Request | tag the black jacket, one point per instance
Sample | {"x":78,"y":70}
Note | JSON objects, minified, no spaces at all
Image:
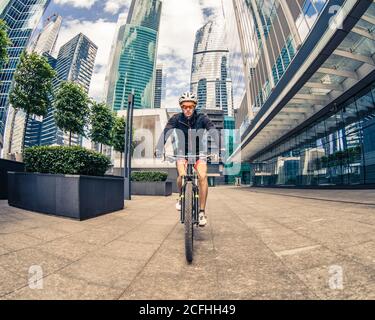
{"x":189,"y":130}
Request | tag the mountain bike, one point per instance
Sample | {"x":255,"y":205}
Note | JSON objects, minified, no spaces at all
{"x":189,"y":201}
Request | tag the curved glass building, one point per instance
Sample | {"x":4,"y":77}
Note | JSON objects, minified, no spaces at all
{"x":311,"y":73}
{"x":133,"y":64}
{"x":209,"y":75}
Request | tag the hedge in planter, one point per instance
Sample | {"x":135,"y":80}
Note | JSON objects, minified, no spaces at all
{"x":151,"y":183}
{"x":149,"y":176}
{"x":65,"y":160}
{"x":66,"y":181}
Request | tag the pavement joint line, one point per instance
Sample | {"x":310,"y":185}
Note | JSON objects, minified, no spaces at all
{"x":72,"y":261}
{"x":147,"y":262}
{"x":276,"y":256}
{"x":291,"y":252}
{"x":215,"y":253}
{"x":316,"y":199}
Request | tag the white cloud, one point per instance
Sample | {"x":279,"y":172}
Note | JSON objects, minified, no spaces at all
{"x":114,"y":6}
{"x":77,"y":3}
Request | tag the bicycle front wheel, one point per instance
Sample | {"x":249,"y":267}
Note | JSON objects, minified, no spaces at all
{"x":189,"y":231}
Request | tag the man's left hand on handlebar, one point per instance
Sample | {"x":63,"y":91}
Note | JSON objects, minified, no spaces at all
{"x":158,"y":154}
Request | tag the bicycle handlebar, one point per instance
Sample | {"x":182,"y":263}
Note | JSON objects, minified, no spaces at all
{"x":172,"y":158}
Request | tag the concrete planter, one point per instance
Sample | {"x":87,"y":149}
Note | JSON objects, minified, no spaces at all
{"x":152,"y":188}
{"x":5,"y":167}
{"x":77,"y":197}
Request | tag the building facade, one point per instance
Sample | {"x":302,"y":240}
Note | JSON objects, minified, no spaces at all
{"x":75,"y":62}
{"x":43,"y":44}
{"x":22,"y":17}
{"x":312,"y":75}
{"x":133,"y":61}
{"x":210,"y":78}
{"x":159,"y":87}
{"x":47,"y":38}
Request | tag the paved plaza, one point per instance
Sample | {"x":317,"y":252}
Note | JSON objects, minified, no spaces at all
{"x":259,"y":244}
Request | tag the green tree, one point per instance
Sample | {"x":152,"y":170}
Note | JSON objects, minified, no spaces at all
{"x":101,"y":121}
{"x":118,"y":136}
{"x":4,"y":43}
{"x":71,"y":109}
{"x":32,"y":87}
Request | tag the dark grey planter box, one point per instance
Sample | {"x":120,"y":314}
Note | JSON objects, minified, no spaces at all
{"x":5,"y":167}
{"x":77,"y":197}
{"x":151,"y":188}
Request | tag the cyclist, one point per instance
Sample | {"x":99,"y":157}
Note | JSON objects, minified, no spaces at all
{"x":187,"y":121}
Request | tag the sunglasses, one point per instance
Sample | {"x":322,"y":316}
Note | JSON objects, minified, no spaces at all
{"x":188,"y":107}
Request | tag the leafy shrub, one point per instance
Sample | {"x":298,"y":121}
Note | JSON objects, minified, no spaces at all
{"x":149,"y":176}
{"x":65,"y":160}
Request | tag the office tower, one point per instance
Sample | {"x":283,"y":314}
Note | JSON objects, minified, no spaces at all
{"x":209,"y":74}
{"x":133,"y":59}
{"x":47,"y":38}
{"x":75,"y":62}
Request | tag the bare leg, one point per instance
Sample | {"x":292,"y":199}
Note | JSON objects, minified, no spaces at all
{"x":181,"y":169}
{"x":203,"y":184}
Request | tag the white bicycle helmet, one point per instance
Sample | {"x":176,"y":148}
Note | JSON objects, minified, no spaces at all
{"x":188,"y":97}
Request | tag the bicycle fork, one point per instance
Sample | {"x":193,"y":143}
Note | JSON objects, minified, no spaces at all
{"x":195,"y":199}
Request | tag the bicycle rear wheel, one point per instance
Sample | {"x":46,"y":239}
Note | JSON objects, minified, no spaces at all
{"x":189,"y":231}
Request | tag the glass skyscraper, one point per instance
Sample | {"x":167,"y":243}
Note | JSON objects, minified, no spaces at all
{"x":47,"y":38}
{"x":209,"y":76}
{"x":134,"y":57}
{"x":22,"y":17}
{"x":75,"y":62}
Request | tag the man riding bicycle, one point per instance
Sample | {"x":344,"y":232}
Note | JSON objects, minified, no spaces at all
{"x":188,"y":123}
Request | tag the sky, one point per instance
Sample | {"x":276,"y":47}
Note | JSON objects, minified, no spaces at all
{"x":179,"y":22}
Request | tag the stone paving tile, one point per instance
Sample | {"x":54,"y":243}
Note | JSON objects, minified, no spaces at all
{"x":67,"y":248}
{"x":18,"y":241}
{"x":308,"y":258}
{"x":21,"y":261}
{"x":164,"y":287}
{"x":168,"y":276}
{"x":68,"y":226}
{"x":325,"y":280}
{"x":94,"y":237}
{"x":129,"y":250}
{"x":118,"y":227}
{"x":45,"y":233}
{"x":363,"y":253}
{"x":8,"y":227}
{"x":365,"y":292}
{"x":59,"y":287}
{"x":146,"y":234}
{"x":9,"y":282}
{"x":104,"y":270}
{"x":3,"y":250}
